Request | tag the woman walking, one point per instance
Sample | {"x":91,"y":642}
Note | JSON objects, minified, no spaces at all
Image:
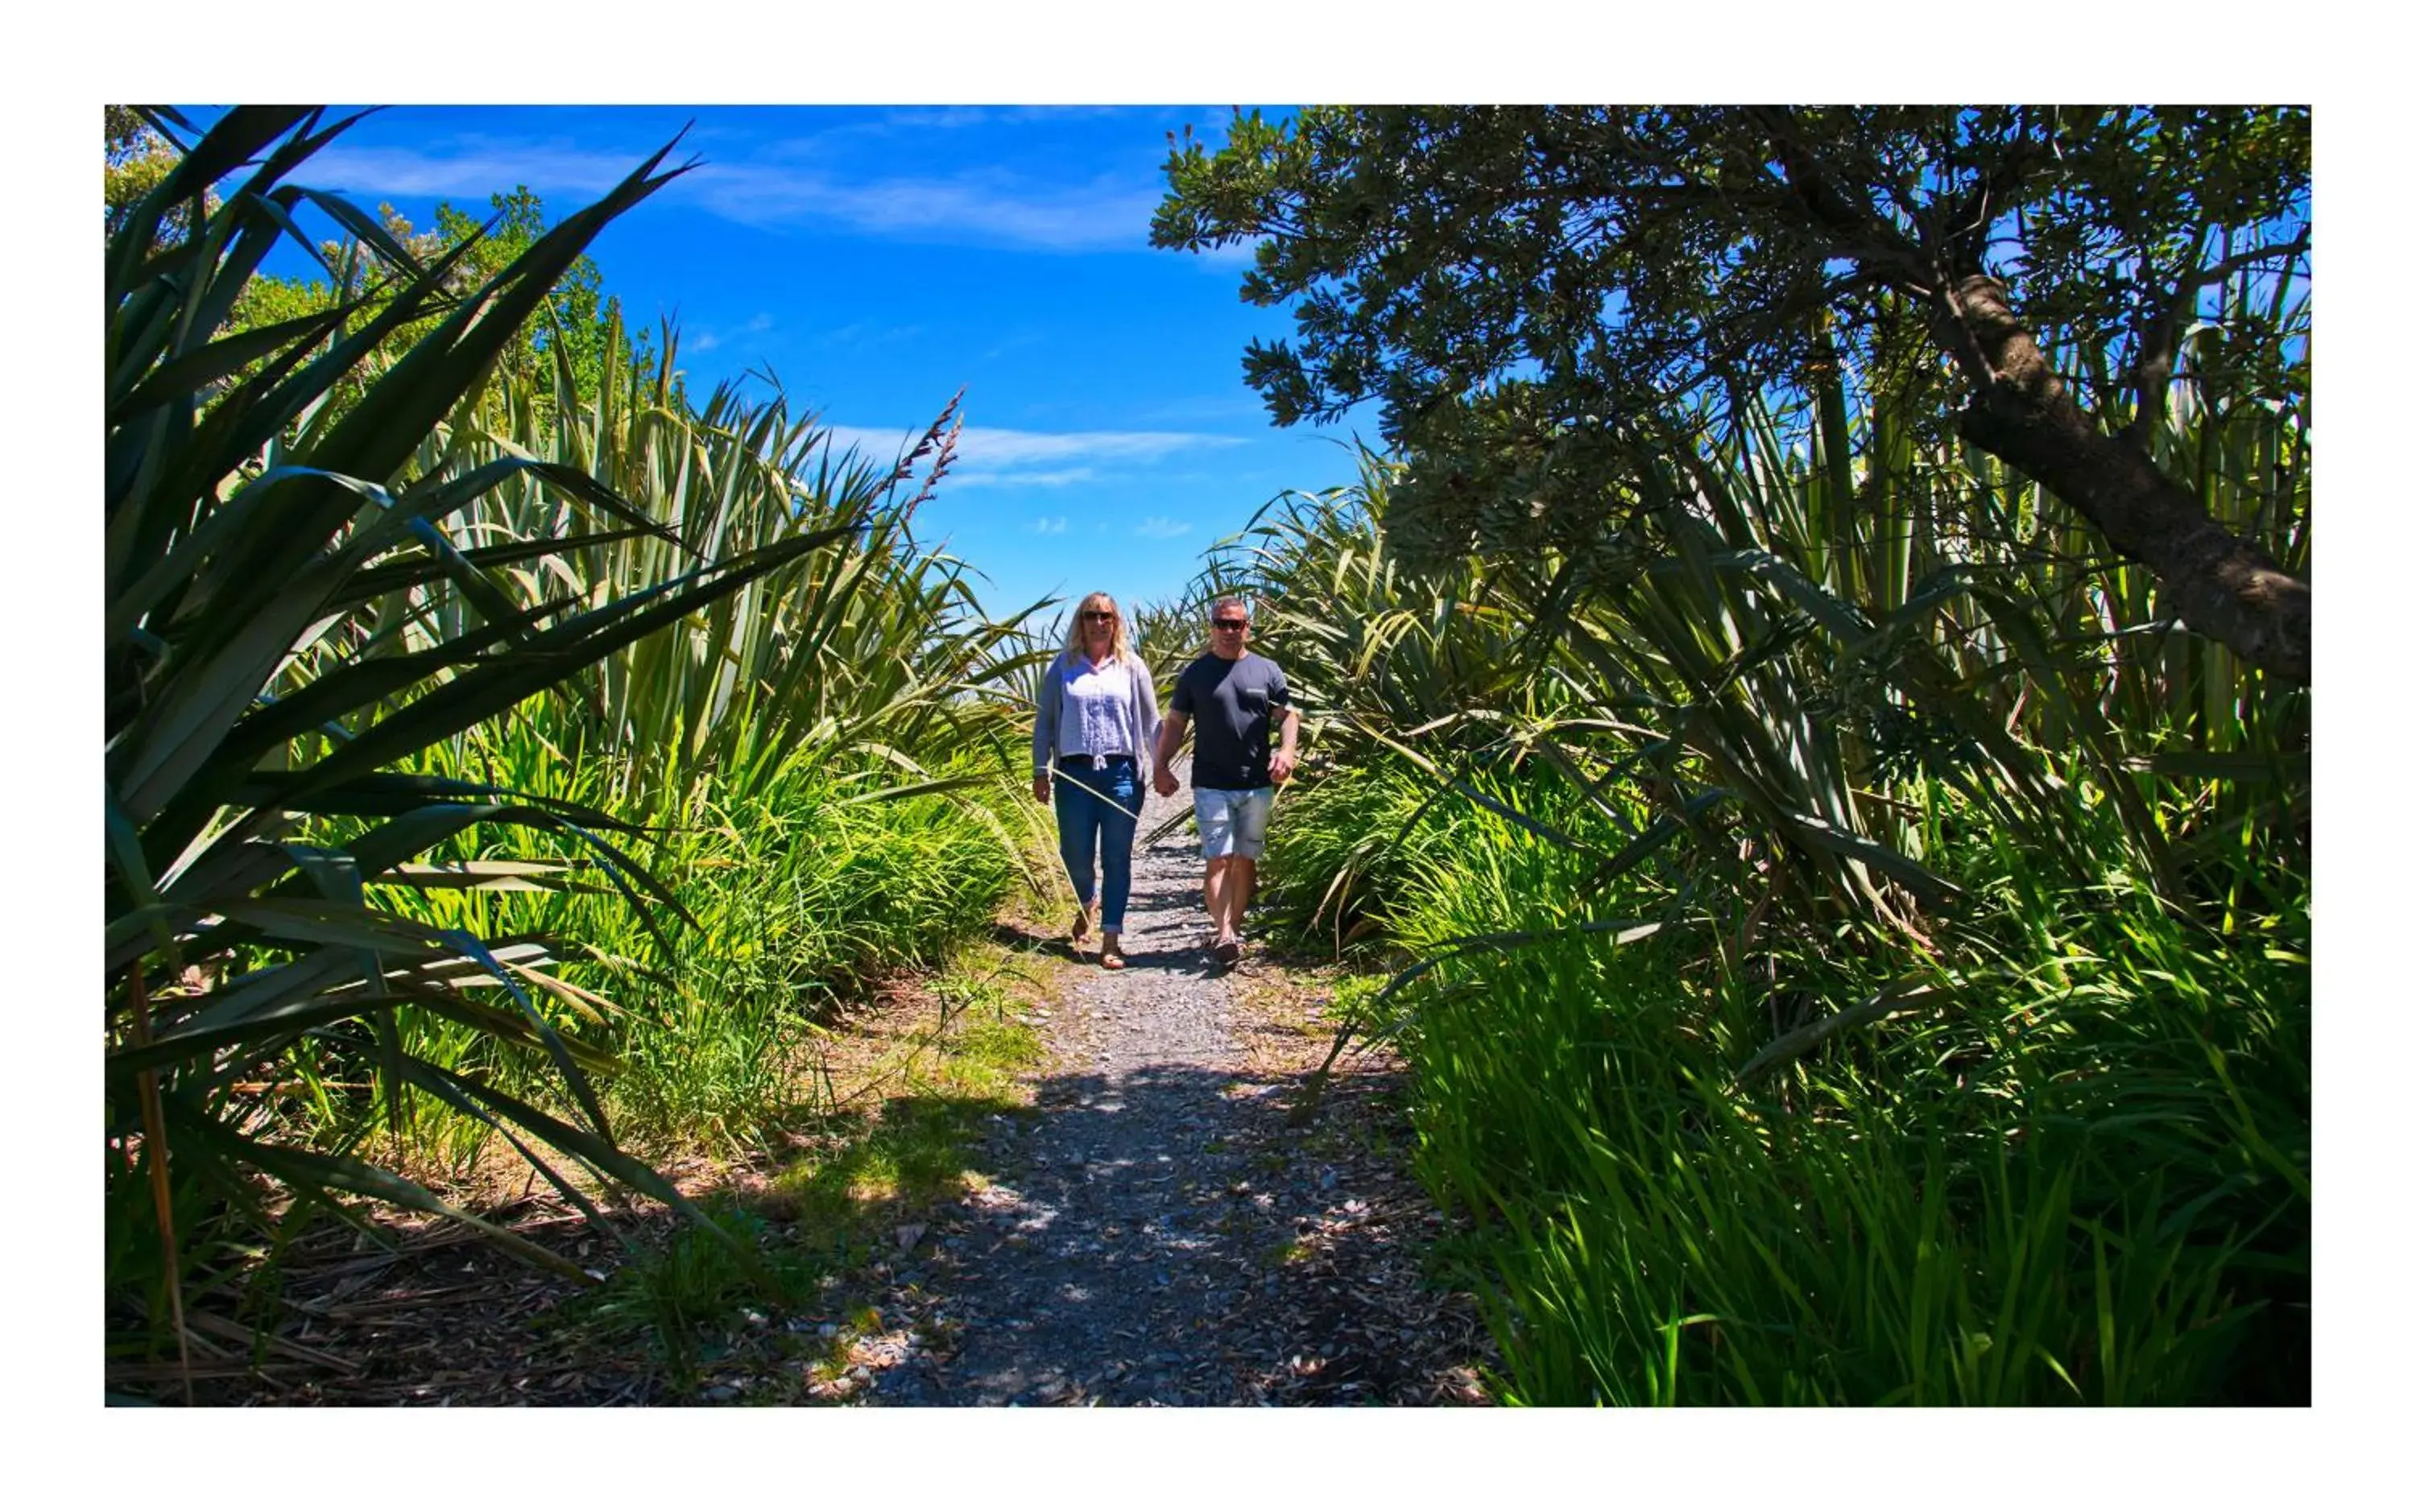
{"x":1096,"y":728}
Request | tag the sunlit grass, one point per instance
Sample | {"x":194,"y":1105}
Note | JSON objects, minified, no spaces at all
{"x":1831,"y":969}
{"x":906,"y":1146}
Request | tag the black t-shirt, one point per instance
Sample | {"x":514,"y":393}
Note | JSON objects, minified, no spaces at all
{"x":1232,"y":704}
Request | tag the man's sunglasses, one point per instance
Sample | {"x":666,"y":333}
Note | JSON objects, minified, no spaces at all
{"x":1231,"y":625}
{"x":1098,"y":614}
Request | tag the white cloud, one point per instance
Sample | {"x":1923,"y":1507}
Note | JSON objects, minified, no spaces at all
{"x":1050,"y":525}
{"x":870,"y":443}
{"x":706,"y":340}
{"x":1158,"y":527}
{"x":1018,"y":480}
{"x":942,"y":118}
{"x":954,"y":116}
{"x":1010,"y":448}
{"x":982,"y":204}
{"x":473,"y":169}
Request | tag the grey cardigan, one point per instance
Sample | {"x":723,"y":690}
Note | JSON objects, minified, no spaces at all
{"x":1143,"y":716}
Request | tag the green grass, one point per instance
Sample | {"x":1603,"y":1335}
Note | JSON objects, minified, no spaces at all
{"x":909,"y":1148}
{"x":1847,"y":948}
{"x":759,"y":757}
{"x":799,"y":897}
{"x":2082,"y":1181}
{"x":900,"y":1152}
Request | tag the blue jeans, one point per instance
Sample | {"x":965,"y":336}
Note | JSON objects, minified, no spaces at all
{"x":1097,"y":810}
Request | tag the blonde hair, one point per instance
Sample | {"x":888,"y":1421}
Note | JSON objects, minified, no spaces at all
{"x":1119,"y":635}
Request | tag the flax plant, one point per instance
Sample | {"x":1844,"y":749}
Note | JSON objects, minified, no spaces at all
{"x":1850,"y":948}
{"x":271,"y":664}
{"x":870,"y":644}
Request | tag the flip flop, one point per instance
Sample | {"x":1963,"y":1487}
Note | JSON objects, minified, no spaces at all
{"x":1111,"y":958}
{"x":1229,"y":954}
{"x":1081,"y":930}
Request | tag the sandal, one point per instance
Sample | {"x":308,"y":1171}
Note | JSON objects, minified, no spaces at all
{"x":1111,"y":958}
{"x":1227,"y":954}
{"x":1081,"y":930}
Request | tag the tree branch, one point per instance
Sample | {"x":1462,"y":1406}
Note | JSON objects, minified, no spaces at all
{"x":1850,"y":227}
{"x":2222,"y":586}
{"x":2151,"y":375}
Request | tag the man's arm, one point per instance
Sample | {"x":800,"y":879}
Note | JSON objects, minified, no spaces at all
{"x":1287,"y":755}
{"x":1170,"y":741}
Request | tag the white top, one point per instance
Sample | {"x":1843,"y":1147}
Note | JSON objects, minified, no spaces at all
{"x":1096,"y":710}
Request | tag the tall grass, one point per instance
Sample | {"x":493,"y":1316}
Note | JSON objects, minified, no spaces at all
{"x":2078,"y":1178}
{"x":1848,"y":947}
{"x":874,"y":643}
{"x":797,"y":895}
{"x":822,"y":770}
{"x":813,"y":765}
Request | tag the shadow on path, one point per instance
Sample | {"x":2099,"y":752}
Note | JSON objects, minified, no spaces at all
{"x":1164,"y":1237}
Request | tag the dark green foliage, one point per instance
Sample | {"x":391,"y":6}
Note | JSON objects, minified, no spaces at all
{"x":1556,"y":307}
{"x":1833,"y":967}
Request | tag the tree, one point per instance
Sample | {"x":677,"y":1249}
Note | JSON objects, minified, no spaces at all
{"x":1541,"y":299}
{"x":139,"y":151}
{"x":581,"y":318}
{"x":578,"y":316}
{"x":136,"y":156}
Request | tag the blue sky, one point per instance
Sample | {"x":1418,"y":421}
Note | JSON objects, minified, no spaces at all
{"x":877,"y":259}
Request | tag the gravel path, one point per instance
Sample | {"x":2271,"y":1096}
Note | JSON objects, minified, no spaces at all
{"x":1158,"y":1235}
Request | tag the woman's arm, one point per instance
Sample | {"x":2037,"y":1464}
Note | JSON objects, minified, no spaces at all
{"x":1145,"y":705}
{"x":1044,"y":731}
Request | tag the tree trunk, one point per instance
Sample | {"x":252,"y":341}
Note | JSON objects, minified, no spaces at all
{"x":2220,"y":585}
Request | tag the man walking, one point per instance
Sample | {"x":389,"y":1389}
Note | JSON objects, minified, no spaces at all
{"x":1235,"y":694}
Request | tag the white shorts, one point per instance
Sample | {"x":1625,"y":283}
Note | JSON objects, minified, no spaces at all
{"x":1232,"y":822}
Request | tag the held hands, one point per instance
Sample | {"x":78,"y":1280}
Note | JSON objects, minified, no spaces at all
{"x":1279,"y":766}
{"x":1165,"y":784}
